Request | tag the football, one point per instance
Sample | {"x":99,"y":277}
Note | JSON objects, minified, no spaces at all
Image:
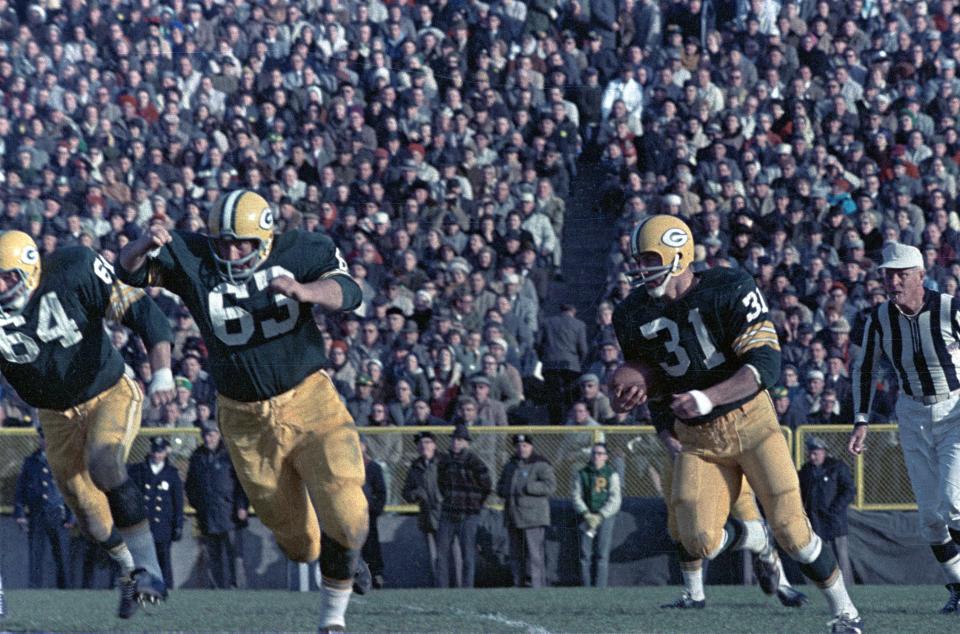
{"x":631,"y":373}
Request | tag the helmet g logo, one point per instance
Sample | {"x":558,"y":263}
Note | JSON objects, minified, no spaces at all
{"x":266,"y":219}
{"x":30,"y":255}
{"x":674,"y":237}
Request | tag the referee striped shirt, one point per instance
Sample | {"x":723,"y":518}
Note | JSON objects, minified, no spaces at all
{"x":924,"y":350}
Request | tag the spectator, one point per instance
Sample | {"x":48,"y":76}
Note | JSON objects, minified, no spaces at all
{"x":563,"y":348}
{"x":465,"y":483}
{"x":596,"y":500}
{"x":215,"y":493}
{"x":597,"y":401}
{"x":48,"y":516}
{"x":490,"y":411}
{"x":827,"y":489}
{"x":163,"y":492}
{"x":360,"y":405}
{"x":421,"y":488}
{"x":526,"y":484}
{"x":375,"y":489}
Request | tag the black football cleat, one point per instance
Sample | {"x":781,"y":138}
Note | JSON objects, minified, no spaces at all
{"x":791,"y":597}
{"x":128,"y":597}
{"x":685,"y":603}
{"x":844,"y":624}
{"x":140,"y":588}
{"x":767,"y":574}
{"x":362,"y":579}
{"x":953,"y":603}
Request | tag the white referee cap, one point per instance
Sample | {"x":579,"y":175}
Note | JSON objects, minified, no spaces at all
{"x":901,"y":256}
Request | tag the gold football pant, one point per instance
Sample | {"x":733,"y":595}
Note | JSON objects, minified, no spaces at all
{"x":744,"y":508}
{"x":298,"y":458}
{"x":87,"y":449}
{"x":709,"y":472}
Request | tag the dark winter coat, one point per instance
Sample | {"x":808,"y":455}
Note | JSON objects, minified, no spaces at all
{"x":214,"y":491}
{"x":464,"y":483}
{"x":526,"y":487}
{"x":827,"y":491}
{"x":421,"y":487}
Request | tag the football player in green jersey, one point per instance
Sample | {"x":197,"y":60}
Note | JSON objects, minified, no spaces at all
{"x":55,"y":353}
{"x":291,"y":439}
{"x":709,"y":336}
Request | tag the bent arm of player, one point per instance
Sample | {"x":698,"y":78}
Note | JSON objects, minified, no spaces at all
{"x":326,"y":279}
{"x":756,"y":347}
{"x":135,"y":310}
{"x":863,"y":384}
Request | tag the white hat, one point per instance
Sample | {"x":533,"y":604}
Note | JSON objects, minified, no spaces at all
{"x":901,"y":256}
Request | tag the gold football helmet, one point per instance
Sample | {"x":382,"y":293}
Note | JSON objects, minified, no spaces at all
{"x":668,"y":237}
{"x":18,"y":253}
{"x":242,"y":215}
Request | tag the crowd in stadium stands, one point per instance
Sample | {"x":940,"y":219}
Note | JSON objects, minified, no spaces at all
{"x":439,"y":144}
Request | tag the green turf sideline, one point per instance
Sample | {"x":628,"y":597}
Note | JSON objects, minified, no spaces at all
{"x":894,"y":609}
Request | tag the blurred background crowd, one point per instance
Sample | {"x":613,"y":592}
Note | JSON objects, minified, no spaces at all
{"x":444,"y":144}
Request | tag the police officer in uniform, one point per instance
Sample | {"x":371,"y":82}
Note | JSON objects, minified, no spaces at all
{"x":163,"y":496}
{"x":49,"y":515}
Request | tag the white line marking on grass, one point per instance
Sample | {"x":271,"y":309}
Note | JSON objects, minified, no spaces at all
{"x":529,"y":628}
{"x":498,"y":618}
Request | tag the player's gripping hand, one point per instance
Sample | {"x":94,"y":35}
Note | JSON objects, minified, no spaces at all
{"x":857,"y":443}
{"x":628,"y":385}
{"x":152,"y":239}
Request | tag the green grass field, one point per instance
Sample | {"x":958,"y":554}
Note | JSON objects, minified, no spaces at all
{"x":898,"y":609}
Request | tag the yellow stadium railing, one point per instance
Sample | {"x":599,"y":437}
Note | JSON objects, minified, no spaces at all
{"x":879,"y":473}
{"x":635,"y":452}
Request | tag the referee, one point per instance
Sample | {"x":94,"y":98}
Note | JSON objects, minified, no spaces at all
{"x":918,"y":331}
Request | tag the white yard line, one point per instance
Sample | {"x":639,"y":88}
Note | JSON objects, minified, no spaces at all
{"x":529,"y":628}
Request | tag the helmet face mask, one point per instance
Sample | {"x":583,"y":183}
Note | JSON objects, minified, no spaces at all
{"x":662,"y":248}
{"x":20,"y":266}
{"x":14,"y":299}
{"x":241,"y":216}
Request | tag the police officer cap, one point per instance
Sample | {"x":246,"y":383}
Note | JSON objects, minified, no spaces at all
{"x":158,"y":444}
{"x":519,"y":438}
{"x":423,"y":434}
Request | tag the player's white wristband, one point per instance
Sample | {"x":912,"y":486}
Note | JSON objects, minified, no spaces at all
{"x":162,"y":380}
{"x":704,"y":406}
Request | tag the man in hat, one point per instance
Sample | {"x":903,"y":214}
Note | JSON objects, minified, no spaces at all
{"x":41,"y":512}
{"x":465,"y":483}
{"x":162,"y":489}
{"x":489,"y":410}
{"x":827,"y":489}
{"x":361,"y":403}
{"x":597,"y":401}
{"x":929,"y":422}
{"x":421,"y":488}
{"x":215,"y":493}
{"x":526,"y":484}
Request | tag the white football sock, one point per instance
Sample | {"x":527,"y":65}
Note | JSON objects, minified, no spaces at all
{"x":333,"y":605}
{"x":139,"y":540}
{"x":121,"y":554}
{"x":839,"y":600}
{"x":952,"y":569}
{"x":784,"y":582}
{"x":755,"y":540}
{"x":693,"y":583}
